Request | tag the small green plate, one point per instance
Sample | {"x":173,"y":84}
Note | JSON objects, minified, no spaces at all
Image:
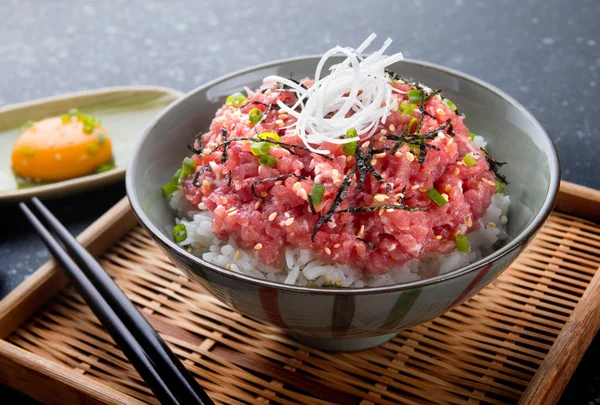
{"x":124,"y":112}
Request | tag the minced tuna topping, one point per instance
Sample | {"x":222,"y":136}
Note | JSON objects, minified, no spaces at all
{"x":415,"y":185}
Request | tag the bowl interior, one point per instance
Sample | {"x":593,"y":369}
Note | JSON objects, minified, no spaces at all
{"x":513,"y":135}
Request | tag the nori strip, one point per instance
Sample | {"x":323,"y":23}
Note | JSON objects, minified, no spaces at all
{"x":198,"y":173}
{"x":226,"y":146}
{"x":495,"y":166}
{"x":311,"y":205}
{"x":375,"y":208}
{"x":369,"y":244}
{"x":281,"y":176}
{"x":341,"y":193}
{"x":282,"y":144}
{"x":192,"y":147}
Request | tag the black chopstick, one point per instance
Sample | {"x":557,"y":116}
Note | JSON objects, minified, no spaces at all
{"x":154,"y":361}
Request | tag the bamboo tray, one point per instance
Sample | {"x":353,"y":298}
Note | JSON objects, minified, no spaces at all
{"x":520,"y":339}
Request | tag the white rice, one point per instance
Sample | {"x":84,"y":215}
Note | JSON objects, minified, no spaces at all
{"x":301,"y":268}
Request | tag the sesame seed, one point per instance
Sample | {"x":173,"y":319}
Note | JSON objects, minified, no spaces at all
{"x":279,"y":123}
{"x":437,"y":97}
{"x":389,"y":210}
{"x":232,"y":213}
{"x":381,"y":138}
{"x":337,"y":181}
{"x":438,"y":237}
{"x":348,"y":159}
{"x":399,"y":195}
{"x":410,"y":157}
{"x":278,"y":183}
{"x":469,"y":222}
{"x":338,"y":282}
{"x":380,"y":197}
{"x":205,"y":185}
{"x":228,"y":267}
{"x":384,"y":131}
{"x":445,"y":196}
{"x":206,"y":151}
{"x":302,"y":194}
{"x":263,"y":194}
{"x":459,"y":163}
{"x":289,"y":221}
{"x":337,"y":245}
{"x":441,"y":135}
{"x":491,"y":224}
{"x":327,"y":279}
{"x":381,"y":211}
{"x":450,"y":141}
{"x":416,"y":186}
{"x":392,"y":127}
{"x":272,"y":216}
{"x":373,"y":162}
{"x":237,"y":113}
{"x":268,"y":92}
{"x":362,"y":230}
{"x":223,"y":200}
{"x":256,"y":205}
{"x":366,"y":144}
{"x":237,"y":255}
{"x":220,"y":119}
{"x":456,"y":171}
{"x":231,"y":209}
{"x":297,"y":186}
{"x":327,"y":250}
{"x":286,"y":214}
{"x":232,"y":127}
{"x":440,"y":112}
{"x":258,"y":246}
{"x":457,"y":232}
{"x":486,"y":181}
{"x":447,"y":189}
{"x":335,"y":173}
{"x":379,"y":155}
{"x":283,"y":115}
{"x":398,"y":154}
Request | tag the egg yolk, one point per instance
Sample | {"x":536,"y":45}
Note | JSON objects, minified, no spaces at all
{"x":56,"y":149}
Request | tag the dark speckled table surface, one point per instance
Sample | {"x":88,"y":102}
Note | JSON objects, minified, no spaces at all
{"x":545,"y":53}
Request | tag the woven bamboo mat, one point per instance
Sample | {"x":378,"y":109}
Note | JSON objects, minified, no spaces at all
{"x":484,"y":352}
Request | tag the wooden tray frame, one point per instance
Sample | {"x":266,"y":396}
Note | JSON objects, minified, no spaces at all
{"x":57,"y":384}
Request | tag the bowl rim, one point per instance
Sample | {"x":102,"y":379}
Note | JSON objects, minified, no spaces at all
{"x":517,"y":242}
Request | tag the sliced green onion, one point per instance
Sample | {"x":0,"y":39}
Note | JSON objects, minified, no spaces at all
{"x":66,"y":118}
{"x":267,"y":160}
{"x":187,"y":167}
{"x":414,"y":96}
{"x":104,"y":168}
{"x":92,"y":148}
{"x":235,"y":100}
{"x":255,"y":115}
{"x":436,"y":197}
{"x":88,"y":129}
{"x":412,"y":125}
{"x":469,"y":160}
{"x":316,"y":194}
{"x":406,"y":108}
{"x":350,"y":147}
{"x":462,"y":243}
{"x":260,"y":148}
{"x":499,"y":187}
{"x":172,"y":186}
{"x":26,"y":151}
{"x":472,"y":136}
{"x":179,"y":233}
{"x":26,"y":126}
{"x":450,"y":104}
{"x":267,"y":135}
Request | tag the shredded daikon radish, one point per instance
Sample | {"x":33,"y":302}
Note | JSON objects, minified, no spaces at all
{"x":356,"y":94}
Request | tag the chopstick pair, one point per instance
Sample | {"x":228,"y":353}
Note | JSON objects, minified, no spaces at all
{"x":154,"y":361}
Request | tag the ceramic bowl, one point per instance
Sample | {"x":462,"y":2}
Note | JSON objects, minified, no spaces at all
{"x":351,"y":319}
